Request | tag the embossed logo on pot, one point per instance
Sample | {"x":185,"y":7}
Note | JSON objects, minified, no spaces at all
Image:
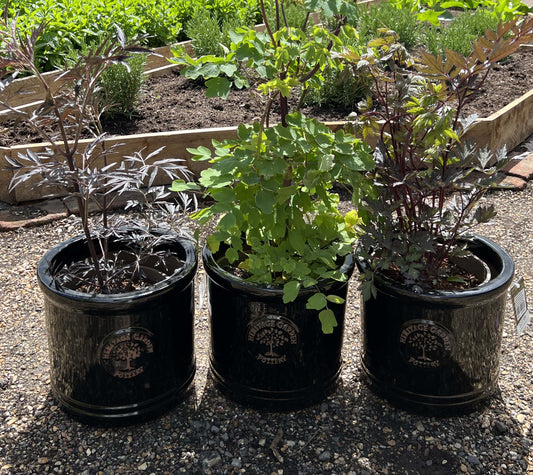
{"x":270,"y":337}
{"x":425,"y":344}
{"x":124,"y":354}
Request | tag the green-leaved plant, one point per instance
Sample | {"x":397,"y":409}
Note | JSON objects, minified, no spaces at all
{"x":120,"y":86}
{"x":278,"y":220}
{"x":429,"y":181}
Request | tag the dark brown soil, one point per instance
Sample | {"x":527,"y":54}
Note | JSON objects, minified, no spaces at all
{"x":171,"y":102}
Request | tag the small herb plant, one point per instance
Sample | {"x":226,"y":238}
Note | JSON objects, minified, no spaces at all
{"x":278,"y":221}
{"x":120,"y":86}
{"x":208,"y":33}
{"x":79,"y":169}
{"x":428,"y":181}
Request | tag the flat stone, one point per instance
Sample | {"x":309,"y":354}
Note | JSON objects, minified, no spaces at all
{"x":31,"y":214}
{"x":511,"y":183}
{"x":522,"y":168}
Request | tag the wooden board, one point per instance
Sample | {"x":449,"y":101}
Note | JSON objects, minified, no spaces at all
{"x":175,"y":146}
{"x":507,"y":127}
{"x":5,"y":177}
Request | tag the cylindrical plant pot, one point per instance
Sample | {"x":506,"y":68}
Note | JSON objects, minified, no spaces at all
{"x":120,"y":358}
{"x":437,"y":352}
{"x":267,"y":354}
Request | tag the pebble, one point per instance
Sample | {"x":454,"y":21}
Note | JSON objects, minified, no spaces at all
{"x":214,"y":461}
{"x":325,"y":455}
{"x":500,"y":428}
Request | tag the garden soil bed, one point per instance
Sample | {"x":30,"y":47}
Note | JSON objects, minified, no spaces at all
{"x":171,"y":102}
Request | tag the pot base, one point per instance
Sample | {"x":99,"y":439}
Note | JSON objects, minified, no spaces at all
{"x":101,"y":415}
{"x":272,"y":400}
{"x":427,"y":404}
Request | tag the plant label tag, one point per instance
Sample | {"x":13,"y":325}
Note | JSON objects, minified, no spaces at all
{"x":519,"y":299}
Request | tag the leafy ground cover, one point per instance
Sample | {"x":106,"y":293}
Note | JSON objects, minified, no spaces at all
{"x":70,"y":24}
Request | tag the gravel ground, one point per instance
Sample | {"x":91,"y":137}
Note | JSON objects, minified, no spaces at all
{"x":352,"y":432}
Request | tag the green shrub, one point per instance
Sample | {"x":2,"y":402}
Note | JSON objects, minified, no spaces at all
{"x":121,"y":88}
{"x":464,"y":29}
{"x":385,"y":15}
{"x":70,"y":23}
{"x":207,"y":32}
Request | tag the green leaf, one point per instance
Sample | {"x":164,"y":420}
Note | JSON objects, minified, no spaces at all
{"x":181,"y":185}
{"x":228,"y":69}
{"x":232,"y":255}
{"x":326,"y":162}
{"x":290,"y":291}
{"x":218,"y":87}
{"x":316,"y":302}
{"x":213,"y":243}
{"x":227,"y":222}
{"x":430,"y":15}
{"x":200,"y":153}
{"x":297,"y":241}
{"x":335,"y":299}
{"x":265,"y":200}
{"x":328,"y":321}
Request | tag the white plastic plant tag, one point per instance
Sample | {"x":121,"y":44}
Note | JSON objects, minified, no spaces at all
{"x":519,"y":299}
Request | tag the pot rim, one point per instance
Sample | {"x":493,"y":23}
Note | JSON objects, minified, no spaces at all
{"x":185,"y":275}
{"x":479,"y":245}
{"x":227,"y":279}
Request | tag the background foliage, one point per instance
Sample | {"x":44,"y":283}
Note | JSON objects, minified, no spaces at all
{"x":69,"y":23}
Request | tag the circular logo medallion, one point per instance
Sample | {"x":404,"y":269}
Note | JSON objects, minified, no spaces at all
{"x":425,"y":344}
{"x":125,"y":353}
{"x":270,"y":337}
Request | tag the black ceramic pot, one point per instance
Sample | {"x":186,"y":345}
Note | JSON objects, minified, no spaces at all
{"x":438,"y":352}
{"x":120,"y":358}
{"x":267,"y":354}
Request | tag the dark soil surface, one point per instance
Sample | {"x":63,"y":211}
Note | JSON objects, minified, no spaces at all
{"x":171,"y":102}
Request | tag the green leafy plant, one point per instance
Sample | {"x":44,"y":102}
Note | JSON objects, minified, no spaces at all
{"x":277,"y":218}
{"x":429,"y":181}
{"x":121,"y":86}
{"x":70,"y":24}
{"x":433,"y":10}
{"x":85,"y":169}
{"x":342,"y":86}
{"x":460,"y":33}
{"x":374,"y":18}
{"x":209,"y":34}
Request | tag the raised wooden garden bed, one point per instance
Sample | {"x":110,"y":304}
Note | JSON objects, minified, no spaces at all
{"x":509,"y":126}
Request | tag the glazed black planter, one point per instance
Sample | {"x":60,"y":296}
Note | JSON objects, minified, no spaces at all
{"x":267,"y":354}
{"x":120,"y":358}
{"x":437,"y":353}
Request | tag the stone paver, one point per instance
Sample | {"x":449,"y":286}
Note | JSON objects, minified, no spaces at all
{"x":522,"y":168}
